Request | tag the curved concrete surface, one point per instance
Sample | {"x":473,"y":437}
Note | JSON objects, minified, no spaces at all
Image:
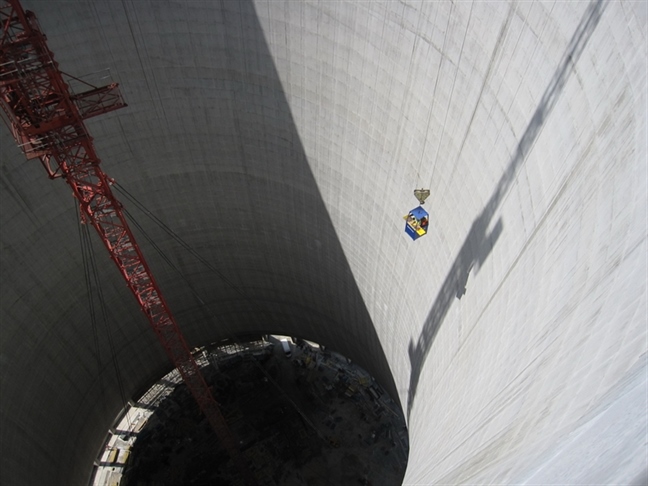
{"x":282,"y":141}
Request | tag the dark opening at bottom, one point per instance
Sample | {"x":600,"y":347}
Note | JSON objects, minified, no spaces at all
{"x":303,"y":416}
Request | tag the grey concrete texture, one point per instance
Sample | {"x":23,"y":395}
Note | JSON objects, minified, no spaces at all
{"x":282,"y":141}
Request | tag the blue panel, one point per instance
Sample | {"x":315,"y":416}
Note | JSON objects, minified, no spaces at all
{"x":419,"y":213}
{"x":410,"y":231}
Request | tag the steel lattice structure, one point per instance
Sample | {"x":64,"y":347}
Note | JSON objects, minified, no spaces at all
{"x":47,"y":121}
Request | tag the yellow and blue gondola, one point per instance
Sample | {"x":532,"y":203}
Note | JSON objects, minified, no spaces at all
{"x":416,"y":223}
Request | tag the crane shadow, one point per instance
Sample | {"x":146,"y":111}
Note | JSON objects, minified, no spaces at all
{"x":480,"y":240}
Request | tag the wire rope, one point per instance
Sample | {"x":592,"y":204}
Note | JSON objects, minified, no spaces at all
{"x":92,"y":276}
{"x":167,"y":260}
{"x":197,"y":296}
{"x":91,"y":306}
{"x":187,"y":247}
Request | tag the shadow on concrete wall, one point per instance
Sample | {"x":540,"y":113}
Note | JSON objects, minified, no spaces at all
{"x":479,"y":242}
{"x":316,"y":290}
{"x":268,"y":215}
{"x":258,"y":171}
{"x":294,"y":278}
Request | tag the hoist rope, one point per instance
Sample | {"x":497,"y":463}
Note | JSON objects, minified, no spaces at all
{"x":186,"y":246}
{"x":91,"y":274}
{"x":204,"y":305}
{"x":91,"y":305}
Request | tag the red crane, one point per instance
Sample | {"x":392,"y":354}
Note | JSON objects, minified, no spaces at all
{"x":47,"y":121}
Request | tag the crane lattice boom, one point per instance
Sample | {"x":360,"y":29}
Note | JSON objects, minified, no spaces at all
{"x":47,"y":121}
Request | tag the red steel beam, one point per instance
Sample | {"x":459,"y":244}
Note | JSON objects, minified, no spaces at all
{"x":47,"y":122}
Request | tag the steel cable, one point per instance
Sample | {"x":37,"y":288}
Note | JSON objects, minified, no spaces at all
{"x":210,"y":313}
{"x":91,"y":274}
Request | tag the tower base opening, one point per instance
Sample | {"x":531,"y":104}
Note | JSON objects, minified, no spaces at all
{"x":302,"y":415}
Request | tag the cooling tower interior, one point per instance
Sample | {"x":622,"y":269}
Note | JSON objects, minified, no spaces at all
{"x":282,"y":142}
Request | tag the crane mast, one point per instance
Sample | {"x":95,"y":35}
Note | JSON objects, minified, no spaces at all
{"x":47,"y":121}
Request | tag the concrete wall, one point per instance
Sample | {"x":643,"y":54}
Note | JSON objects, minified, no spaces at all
{"x":282,"y":141}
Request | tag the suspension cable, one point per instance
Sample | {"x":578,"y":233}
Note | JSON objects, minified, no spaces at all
{"x":186,"y":246}
{"x":169,"y":262}
{"x":91,"y":305}
{"x":204,"y":305}
{"x":91,"y":274}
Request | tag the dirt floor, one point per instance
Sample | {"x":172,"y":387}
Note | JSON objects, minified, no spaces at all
{"x":308,"y":417}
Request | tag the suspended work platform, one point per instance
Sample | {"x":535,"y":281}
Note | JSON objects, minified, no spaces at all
{"x":417,"y":221}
